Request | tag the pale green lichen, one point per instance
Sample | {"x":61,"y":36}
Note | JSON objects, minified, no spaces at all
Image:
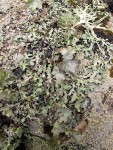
{"x":64,"y":61}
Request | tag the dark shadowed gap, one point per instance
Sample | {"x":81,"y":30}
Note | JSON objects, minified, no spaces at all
{"x":21,"y":147}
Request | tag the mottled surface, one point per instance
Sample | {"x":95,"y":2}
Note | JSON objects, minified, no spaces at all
{"x":11,"y":23}
{"x":99,"y":133}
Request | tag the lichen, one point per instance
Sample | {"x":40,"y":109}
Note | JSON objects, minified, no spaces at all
{"x":65,"y":59}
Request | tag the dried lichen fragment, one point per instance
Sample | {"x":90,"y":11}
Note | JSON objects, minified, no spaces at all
{"x":82,"y":126}
{"x":111,"y":72}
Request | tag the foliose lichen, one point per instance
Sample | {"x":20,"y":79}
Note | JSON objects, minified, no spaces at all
{"x":64,"y":61}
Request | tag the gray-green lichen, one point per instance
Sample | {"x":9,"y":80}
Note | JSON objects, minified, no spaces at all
{"x":65,"y":59}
